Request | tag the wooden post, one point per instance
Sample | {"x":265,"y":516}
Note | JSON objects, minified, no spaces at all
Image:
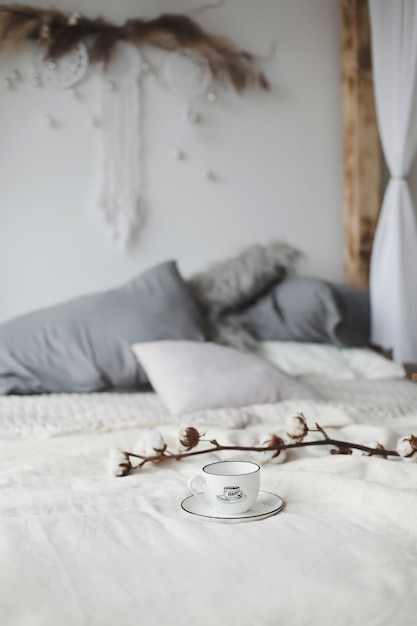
{"x":362,"y":152}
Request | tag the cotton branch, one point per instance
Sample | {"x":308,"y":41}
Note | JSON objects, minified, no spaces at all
{"x":153,"y":449}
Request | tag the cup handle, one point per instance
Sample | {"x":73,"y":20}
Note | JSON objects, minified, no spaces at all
{"x":196,"y":485}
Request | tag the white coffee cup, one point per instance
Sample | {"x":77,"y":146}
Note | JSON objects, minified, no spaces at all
{"x":229,"y":487}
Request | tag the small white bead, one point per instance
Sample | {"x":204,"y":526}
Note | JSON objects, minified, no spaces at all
{"x":208,"y":174}
{"x":45,"y":31}
{"x":194,"y":117}
{"x":211,"y":96}
{"x":178,"y":154}
{"x":72,"y":92}
{"x":36,"y":81}
{"x":49,"y":120}
{"x":15,"y":75}
{"x":7,"y":83}
{"x":52,"y":65}
{"x":110,"y":86}
{"x":145,"y":66}
{"x":73,"y":19}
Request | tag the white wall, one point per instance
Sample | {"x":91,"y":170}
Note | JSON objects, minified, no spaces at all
{"x":278,"y":157}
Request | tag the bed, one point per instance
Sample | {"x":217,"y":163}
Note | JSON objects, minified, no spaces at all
{"x":82,"y":545}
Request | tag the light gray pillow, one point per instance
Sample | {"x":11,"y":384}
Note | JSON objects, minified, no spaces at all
{"x":190,"y":376}
{"x":84,"y":345}
{"x":310,"y":310}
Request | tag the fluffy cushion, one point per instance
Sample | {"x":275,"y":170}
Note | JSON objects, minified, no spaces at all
{"x":84,"y":345}
{"x":310,"y":310}
{"x":236,"y":282}
{"x":304,"y":359}
{"x":190,"y":376}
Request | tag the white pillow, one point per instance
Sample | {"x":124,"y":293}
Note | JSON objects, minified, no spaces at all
{"x":303,"y":359}
{"x":369,"y":364}
{"x":192,"y":376}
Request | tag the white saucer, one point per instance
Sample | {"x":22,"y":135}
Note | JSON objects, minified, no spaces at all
{"x":267,"y":504}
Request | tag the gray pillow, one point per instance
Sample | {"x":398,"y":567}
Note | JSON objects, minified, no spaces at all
{"x":311,"y":310}
{"x":84,"y":345}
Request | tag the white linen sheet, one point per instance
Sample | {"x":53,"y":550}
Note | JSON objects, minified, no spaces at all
{"x":78,"y":547}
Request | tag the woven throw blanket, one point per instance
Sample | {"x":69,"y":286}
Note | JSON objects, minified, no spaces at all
{"x":60,"y":414}
{"x":343,"y":401}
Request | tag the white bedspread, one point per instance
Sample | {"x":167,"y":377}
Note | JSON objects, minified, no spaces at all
{"x":80,"y":548}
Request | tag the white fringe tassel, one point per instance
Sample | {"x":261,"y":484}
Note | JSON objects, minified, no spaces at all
{"x":118,"y":196}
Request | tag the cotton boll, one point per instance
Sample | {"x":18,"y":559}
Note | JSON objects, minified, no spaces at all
{"x":280,"y":458}
{"x":264,"y":457}
{"x":404,"y":446}
{"x":189,"y":437}
{"x":296,"y":427}
{"x":151,"y":443}
{"x":118,"y":463}
{"x":270,"y":456}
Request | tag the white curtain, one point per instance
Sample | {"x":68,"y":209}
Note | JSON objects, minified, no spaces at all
{"x":393,"y":275}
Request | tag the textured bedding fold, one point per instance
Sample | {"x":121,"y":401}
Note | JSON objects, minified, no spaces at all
{"x":58,"y":414}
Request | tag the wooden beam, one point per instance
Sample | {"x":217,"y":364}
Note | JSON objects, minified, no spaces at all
{"x":362,"y":152}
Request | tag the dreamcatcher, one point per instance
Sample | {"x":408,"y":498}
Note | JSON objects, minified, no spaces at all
{"x":188,"y":73}
{"x":64,"y":72}
{"x":61,"y":59}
